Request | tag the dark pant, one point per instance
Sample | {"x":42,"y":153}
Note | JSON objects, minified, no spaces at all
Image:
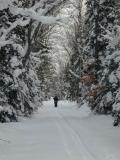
{"x":55,"y":102}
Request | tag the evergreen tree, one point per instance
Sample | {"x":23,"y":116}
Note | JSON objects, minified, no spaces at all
{"x":20,"y":23}
{"x":100,"y":76}
{"x":74,"y":66}
{"x":99,"y":22}
{"x":45,"y":73}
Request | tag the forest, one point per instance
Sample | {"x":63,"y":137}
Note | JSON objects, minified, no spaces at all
{"x":69,"y":48}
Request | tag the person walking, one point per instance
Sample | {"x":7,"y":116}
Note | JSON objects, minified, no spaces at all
{"x":55,"y":101}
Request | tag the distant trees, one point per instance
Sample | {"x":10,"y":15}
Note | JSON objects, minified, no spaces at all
{"x":74,"y":48}
{"x":45,"y":72}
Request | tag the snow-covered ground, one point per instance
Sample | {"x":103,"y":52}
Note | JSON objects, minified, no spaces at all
{"x":63,"y":133}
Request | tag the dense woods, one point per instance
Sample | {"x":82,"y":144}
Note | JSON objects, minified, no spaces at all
{"x":95,"y":60}
{"x":91,"y":73}
{"x":23,"y":49}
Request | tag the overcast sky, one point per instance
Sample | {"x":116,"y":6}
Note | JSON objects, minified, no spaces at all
{"x":58,"y":36}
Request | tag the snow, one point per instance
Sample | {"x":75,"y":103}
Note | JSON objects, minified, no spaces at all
{"x":102,"y":1}
{"x":3,"y":40}
{"x":14,"y":61}
{"x":63,"y":133}
{"x":74,"y":74}
{"x":109,"y":97}
{"x":1,"y":108}
{"x":112,"y":78}
{"x":17,"y":72}
{"x":35,"y":15}
{"x":5,"y":3}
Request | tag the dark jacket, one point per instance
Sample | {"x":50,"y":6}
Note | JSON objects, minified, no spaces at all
{"x":55,"y":98}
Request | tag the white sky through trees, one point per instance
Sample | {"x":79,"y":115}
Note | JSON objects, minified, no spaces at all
{"x":58,"y":37}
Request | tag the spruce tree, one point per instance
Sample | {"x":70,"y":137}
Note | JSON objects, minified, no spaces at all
{"x":100,"y":21}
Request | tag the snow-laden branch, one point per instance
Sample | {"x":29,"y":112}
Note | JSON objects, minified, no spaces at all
{"x":4,"y":3}
{"x":35,"y":15}
{"x":5,"y":32}
{"x":74,"y":74}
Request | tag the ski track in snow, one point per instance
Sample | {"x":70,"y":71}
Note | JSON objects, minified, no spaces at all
{"x":81,"y":151}
{"x":63,"y":133}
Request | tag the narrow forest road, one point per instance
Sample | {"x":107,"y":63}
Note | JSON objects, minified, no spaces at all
{"x":63,"y":133}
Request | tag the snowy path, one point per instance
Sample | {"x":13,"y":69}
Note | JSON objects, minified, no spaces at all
{"x":63,"y":133}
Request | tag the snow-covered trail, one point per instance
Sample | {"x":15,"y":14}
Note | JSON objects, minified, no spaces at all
{"x":63,"y":133}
